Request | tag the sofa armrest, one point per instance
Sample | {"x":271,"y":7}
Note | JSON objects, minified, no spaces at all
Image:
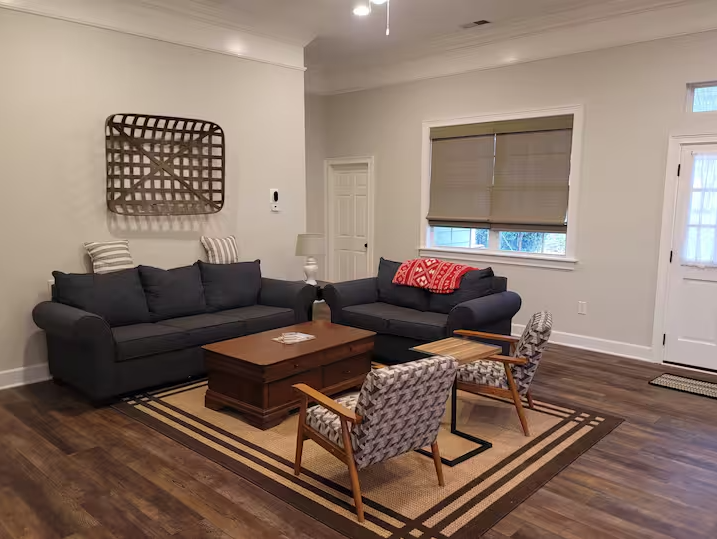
{"x":489,"y":313}
{"x":288,"y":294}
{"x":71,"y":323}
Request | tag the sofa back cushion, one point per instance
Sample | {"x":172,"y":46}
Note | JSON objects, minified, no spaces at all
{"x":172,"y":293}
{"x":228,"y":286}
{"x":474,"y":284}
{"x":395,"y":294}
{"x":117,"y":297}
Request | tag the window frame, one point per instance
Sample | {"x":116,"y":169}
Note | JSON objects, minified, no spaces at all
{"x":561,"y":262}
{"x":689,"y":105}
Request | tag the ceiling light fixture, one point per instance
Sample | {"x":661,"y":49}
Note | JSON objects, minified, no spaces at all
{"x":362,"y":8}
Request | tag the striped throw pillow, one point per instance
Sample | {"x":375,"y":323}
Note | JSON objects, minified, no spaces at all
{"x":109,"y":256}
{"x":221,"y":250}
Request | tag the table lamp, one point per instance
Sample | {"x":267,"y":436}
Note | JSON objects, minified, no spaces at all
{"x":310,"y":245}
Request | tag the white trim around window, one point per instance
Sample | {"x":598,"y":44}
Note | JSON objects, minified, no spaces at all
{"x":566,"y":262}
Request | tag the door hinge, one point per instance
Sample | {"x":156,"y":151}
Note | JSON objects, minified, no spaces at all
{"x":664,"y":338}
{"x":670,"y":257}
{"x":679,"y":168}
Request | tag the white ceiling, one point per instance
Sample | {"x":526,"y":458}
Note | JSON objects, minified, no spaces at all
{"x":338,"y":38}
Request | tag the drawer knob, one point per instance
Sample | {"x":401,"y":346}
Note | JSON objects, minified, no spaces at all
{"x":296,"y":365}
{"x":347,"y":372}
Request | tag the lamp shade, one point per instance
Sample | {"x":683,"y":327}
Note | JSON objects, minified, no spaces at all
{"x":310,"y":245}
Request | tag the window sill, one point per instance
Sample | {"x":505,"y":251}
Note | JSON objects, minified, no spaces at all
{"x":492,"y":257}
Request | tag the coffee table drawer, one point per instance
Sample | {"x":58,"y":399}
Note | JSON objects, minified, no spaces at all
{"x":346,"y":369}
{"x":281,"y":392}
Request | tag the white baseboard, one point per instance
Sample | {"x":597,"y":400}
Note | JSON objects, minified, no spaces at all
{"x":24,"y":375}
{"x":595,"y":344}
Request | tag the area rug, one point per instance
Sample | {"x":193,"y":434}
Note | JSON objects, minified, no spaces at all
{"x":686,"y":385}
{"x":401,"y":496}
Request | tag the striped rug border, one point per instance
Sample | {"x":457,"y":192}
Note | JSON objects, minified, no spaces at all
{"x":599,"y":424}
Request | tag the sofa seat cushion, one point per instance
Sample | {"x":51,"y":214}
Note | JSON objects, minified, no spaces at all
{"x":140,"y":340}
{"x":399,"y":321}
{"x":207,"y":328}
{"x":258,"y":318}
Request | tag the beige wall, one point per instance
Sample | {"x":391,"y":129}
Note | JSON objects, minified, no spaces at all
{"x":58,"y":83}
{"x":315,"y":155}
{"x":633,"y":98}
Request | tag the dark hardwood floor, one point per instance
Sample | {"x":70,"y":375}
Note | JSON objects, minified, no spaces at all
{"x":70,"y":470}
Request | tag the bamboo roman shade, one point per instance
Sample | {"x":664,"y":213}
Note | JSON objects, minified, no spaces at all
{"x":510,"y":175}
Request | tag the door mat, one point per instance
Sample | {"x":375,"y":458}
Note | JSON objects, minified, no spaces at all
{"x":686,"y":385}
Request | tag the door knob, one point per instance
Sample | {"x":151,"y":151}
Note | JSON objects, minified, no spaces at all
{"x":365,"y":245}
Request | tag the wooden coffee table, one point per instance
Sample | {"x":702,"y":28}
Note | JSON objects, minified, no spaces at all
{"x":254,"y":374}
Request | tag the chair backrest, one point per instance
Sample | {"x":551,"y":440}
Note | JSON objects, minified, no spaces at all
{"x":401,"y":407}
{"x":531,"y":346}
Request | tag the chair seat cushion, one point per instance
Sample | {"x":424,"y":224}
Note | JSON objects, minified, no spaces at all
{"x":328,"y":423}
{"x":140,"y":340}
{"x":258,"y":318}
{"x":207,"y":328}
{"x":399,"y":321}
{"x":485,"y":373}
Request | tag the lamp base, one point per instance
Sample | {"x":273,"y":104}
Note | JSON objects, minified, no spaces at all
{"x":311,"y":269}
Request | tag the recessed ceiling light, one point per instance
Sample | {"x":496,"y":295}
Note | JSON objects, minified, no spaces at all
{"x":362,"y":9}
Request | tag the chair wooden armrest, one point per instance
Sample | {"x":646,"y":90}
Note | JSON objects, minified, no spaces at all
{"x":483,"y":335}
{"x":507,"y":360}
{"x":328,"y":403}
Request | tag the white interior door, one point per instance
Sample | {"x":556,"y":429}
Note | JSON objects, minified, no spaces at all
{"x":691,"y":335}
{"x":349,"y":221}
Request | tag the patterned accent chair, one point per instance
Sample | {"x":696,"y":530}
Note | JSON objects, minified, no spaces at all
{"x":398,"y":409}
{"x":509,"y":377}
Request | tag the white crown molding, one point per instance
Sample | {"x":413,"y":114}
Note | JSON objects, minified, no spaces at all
{"x":595,"y":344}
{"x":664,"y":21}
{"x":140,"y":18}
{"x":24,"y":375}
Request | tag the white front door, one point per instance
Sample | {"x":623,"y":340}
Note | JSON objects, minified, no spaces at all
{"x":691,"y":335}
{"x":348,"y":221}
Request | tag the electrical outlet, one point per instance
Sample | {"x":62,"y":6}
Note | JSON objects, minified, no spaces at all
{"x":582,"y":307}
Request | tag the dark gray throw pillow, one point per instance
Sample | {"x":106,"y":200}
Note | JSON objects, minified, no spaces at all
{"x":173,"y":293}
{"x":396,"y":294}
{"x":474,"y":284}
{"x":117,"y":297}
{"x":228,"y":286}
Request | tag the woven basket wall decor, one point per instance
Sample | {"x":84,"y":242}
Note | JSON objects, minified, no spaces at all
{"x":159,"y":165}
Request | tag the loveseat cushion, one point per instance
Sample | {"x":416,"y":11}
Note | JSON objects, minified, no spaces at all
{"x":395,"y":294}
{"x":140,"y":340}
{"x":258,"y":318}
{"x":474,"y":284}
{"x":394,"y":320}
{"x":117,"y":297}
{"x":228,"y":286}
{"x":207,"y":328}
{"x":172,"y":293}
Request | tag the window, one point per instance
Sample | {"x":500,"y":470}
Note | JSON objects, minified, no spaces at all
{"x":501,"y":186}
{"x":703,"y":97}
{"x":700,"y":245}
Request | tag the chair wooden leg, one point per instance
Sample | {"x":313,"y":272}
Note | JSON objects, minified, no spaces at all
{"x":516,"y":400}
{"x":353,"y":472}
{"x":530,"y":400}
{"x":438,"y":463}
{"x":300,"y":435}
